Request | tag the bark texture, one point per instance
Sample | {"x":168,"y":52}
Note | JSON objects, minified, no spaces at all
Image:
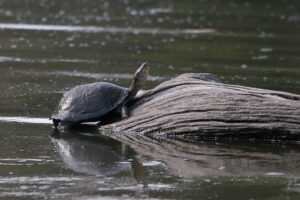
{"x":199,"y":105}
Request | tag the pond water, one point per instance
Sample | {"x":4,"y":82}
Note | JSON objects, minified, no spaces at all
{"x":48,"y":47}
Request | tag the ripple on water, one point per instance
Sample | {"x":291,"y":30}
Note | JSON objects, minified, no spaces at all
{"x":152,"y":163}
{"x":36,"y":180}
{"x":35,"y":186}
{"x":25,"y":120}
{"x":22,"y":161}
{"x":275,"y":174}
{"x":97,"y":76}
{"x":45,"y":60}
{"x":100,"y":29}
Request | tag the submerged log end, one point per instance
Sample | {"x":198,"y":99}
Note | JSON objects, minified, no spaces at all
{"x":199,"y":105}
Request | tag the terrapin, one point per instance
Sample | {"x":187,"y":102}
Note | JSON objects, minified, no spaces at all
{"x":94,"y":102}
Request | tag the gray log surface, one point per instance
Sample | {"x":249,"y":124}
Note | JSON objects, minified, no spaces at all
{"x":199,"y":105}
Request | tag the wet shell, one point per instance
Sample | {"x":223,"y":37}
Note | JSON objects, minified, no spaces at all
{"x":89,"y":102}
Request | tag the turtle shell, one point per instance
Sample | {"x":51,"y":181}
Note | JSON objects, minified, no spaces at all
{"x":90,"y":101}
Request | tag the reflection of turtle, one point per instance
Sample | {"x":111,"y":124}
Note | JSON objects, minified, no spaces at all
{"x":92,"y":155}
{"x":92,"y":102}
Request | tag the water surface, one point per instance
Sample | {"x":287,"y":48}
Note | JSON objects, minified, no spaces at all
{"x":48,"y":47}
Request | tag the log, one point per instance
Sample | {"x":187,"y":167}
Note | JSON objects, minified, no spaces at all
{"x":197,"y":105}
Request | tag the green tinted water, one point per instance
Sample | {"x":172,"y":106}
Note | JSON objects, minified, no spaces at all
{"x":47,"y":47}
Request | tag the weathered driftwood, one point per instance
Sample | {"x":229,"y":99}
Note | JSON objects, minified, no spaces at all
{"x":199,"y":105}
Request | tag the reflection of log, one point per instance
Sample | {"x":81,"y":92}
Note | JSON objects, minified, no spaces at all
{"x":200,"y":105}
{"x":209,"y":158}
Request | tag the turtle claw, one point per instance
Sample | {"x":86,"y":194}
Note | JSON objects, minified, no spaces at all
{"x":56,"y":122}
{"x":124,"y":112}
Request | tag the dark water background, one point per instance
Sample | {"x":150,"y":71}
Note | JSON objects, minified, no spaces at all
{"x":49,"y":46}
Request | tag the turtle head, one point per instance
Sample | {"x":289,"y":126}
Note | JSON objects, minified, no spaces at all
{"x":139,"y":79}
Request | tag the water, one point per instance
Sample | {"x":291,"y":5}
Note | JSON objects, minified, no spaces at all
{"x":48,"y":47}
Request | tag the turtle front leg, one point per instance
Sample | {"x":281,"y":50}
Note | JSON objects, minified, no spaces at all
{"x":124,"y":112}
{"x":55,"y":122}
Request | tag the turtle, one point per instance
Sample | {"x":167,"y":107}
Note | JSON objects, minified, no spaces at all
{"x":96,"y":101}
